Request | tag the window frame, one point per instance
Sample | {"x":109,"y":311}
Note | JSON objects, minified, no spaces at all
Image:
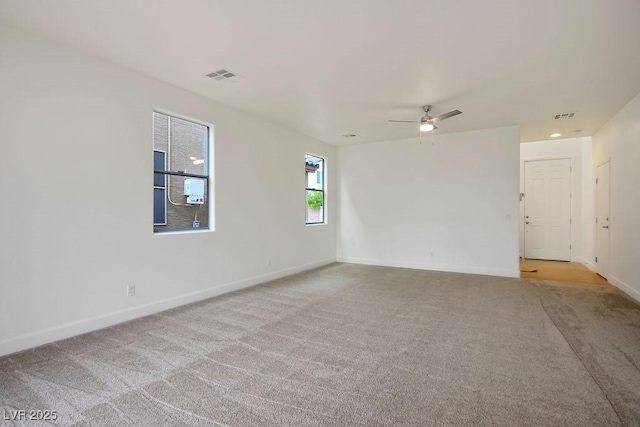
{"x":323,"y":190}
{"x":208,"y":177}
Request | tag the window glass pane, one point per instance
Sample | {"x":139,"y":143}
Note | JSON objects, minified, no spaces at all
{"x":315,"y":206}
{"x":159,"y":206}
{"x":314,"y":169}
{"x":159,"y":164}
{"x":181,"y":146}
{"x":188,"y":144}
{"x":180,"y":214}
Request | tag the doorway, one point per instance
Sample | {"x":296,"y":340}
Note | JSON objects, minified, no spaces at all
{"x":603,"y":189}
{"x":547,"y":209}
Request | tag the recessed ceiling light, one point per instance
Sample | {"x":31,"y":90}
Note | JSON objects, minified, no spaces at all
{"x":555,"y":135}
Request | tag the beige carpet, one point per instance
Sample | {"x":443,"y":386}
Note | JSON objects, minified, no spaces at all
{"x":351,"y":345}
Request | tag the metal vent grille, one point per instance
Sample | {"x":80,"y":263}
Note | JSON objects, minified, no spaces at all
{"x":349,"y":135}
{"x":565,"y":116}
{"x":221,"y":74}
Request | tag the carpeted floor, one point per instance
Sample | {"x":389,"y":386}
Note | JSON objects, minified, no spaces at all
{"x":351,"y":345}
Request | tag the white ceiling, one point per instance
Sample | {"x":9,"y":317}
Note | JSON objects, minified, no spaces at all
{"x":333,"y":67}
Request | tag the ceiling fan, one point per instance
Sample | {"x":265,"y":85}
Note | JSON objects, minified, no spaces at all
{"x":427,"y":122}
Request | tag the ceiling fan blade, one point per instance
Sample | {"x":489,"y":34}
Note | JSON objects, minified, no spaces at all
{"x":445,"y":116}
{"x":403,"y":121}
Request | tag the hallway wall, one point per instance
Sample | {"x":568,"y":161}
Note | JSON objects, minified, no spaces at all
{"x":619,"y":142}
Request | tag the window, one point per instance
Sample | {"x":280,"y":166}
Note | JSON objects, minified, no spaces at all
{"x":181,"y":196}
{"x":314,"y":179}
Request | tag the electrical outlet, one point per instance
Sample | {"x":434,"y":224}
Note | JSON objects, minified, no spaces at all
{"x":131,"y":290}
{"x":268,"y":262}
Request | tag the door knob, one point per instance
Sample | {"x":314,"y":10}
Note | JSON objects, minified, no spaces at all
{"x":605,"y":226}
{"x":527,"y":222}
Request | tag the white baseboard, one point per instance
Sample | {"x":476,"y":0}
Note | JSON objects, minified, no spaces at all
{"x":436,"y":267}
{"x":57,"y":333}
{"x":624,"y":287}
{"x":591,"y":266}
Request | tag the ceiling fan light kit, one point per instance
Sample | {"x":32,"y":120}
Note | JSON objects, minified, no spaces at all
{"x":427,"y":122}
{"x":426,"y":127}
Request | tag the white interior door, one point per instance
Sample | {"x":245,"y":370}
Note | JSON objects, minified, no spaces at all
{"x":547,"y":209}
{"x":602,"y":220}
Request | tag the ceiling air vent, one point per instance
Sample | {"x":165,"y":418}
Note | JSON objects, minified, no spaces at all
{"x":565,"y":115}
{"x":222,"y":74}
{"x":349,"y":135}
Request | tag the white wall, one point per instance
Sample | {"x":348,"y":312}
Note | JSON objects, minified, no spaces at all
{"x":619,"y":141}
{"x":579,"y":150}
{"x":76,"y":190}
{"x":450,"y":203}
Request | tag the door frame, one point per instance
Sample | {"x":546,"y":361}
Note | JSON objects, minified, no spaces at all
{"x":595,"y":236}
{"x":572,"y":199}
